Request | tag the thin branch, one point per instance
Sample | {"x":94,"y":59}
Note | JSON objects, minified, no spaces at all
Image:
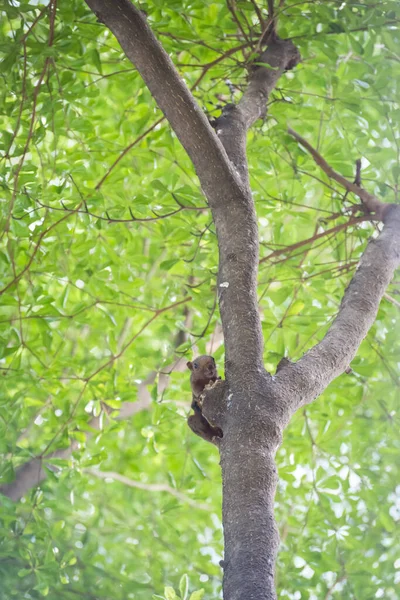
{"x":232,"y":10}
{"x":22,"y":103}
{"x":126,"y":150}
{"x":371,"y":202}
{"x":375,"y":26}
{"x":333,"y":586}
{"x":392,"y":300}
{"x":287,"y":249}
{"x":133,"y":218}
{"x":111,"y":360}
{"x":35,"y":21}
{"x":30,"y":261}
{"x":52,"y":7}
{"x":258,"y":12}
{"x":148,"y":487}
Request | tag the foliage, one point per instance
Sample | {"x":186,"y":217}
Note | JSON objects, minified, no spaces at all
{"x":89,"y":260}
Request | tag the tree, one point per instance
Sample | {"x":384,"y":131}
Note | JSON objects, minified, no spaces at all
{"x":65,"y":371}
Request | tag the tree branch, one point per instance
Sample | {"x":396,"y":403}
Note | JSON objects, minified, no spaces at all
{"x":148,"y":487}
{"x":372,"y":203}
{"x":328,"y":232}
{"x":172,"y":95}
{"x":319,"y":366}
{"x":232,"y":127}
{"x":221,"y":181}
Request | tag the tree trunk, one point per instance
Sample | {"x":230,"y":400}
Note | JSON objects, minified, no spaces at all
{"x":250,"y":478}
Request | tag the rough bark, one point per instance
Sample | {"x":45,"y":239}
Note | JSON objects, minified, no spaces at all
{"x":248,"y":469}
{"x":232,"y":127}
{"x":190,"y":124}
{"x":253,"y":424}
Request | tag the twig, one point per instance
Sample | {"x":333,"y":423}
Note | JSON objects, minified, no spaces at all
{"x":258,"y":12}
{"x":52,"y":8}
{"x":149,"y":487}
{"x":110,"y":219}
{"x":236,"y":19}
{"x":371,"y":202}
{"x":331,"y":589}
{"x":357,"y":179}
{"x":28,"y":264}
{"x":111,"y":360}
{"x":392,"y":300}
{"x":124,"y":152}
{"x":340,"y":227}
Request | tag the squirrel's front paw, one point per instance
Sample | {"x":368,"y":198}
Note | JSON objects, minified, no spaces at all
{"x":212,"y":384}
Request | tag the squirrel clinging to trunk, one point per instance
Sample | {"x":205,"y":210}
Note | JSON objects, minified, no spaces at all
{"x":203,"y":372}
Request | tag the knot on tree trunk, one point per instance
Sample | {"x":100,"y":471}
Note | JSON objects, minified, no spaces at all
{"x":280,"y":54}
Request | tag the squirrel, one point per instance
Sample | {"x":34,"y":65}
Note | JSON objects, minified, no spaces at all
{"x":203,"y":372}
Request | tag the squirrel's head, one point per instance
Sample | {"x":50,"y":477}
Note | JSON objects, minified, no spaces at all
{"x":203,"y":367}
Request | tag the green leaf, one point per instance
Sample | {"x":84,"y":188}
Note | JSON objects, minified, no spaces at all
{"x":9,"y":59}
{"x":169,"y":593}
{"x":166,"y":265}
{"x":24,"y":572}
{"x":94,"y":57}
{"x":184,"y":586}
{"x":198,"y":595}
{"x":296,"y":307}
